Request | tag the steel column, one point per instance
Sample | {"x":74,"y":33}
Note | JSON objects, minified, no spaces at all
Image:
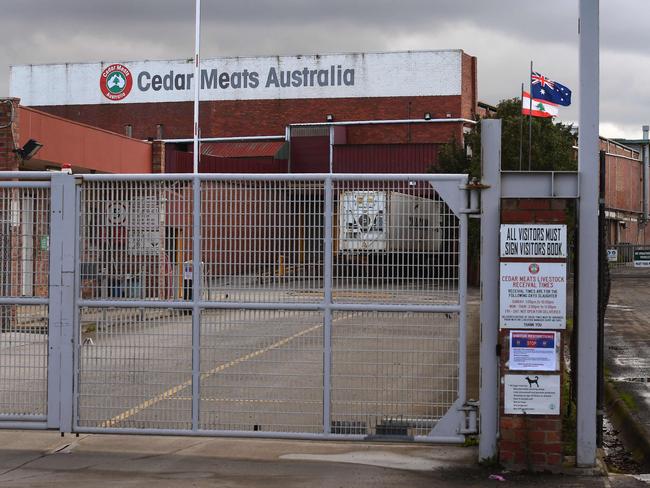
{"x":588,"y":145}
{"x":490,"y":221}
{"x":62,"y":302}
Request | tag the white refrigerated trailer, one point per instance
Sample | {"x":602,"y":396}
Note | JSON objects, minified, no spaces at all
{"x":387,"y":227}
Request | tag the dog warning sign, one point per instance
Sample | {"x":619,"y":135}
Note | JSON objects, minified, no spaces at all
{"x":532,"y":394}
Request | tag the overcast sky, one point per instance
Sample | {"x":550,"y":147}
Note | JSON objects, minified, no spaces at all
{"x":505,"y":35}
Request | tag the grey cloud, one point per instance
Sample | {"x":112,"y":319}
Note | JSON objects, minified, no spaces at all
{"x":503,"y":34}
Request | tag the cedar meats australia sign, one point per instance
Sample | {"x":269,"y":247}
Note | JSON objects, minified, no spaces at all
{"x":438,"y":73}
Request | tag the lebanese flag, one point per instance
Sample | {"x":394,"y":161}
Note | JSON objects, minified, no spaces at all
{"x":541,"y":108}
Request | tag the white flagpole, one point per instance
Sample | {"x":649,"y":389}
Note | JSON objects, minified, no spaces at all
{"x":530,"y":114}
{"x":197,"y":84}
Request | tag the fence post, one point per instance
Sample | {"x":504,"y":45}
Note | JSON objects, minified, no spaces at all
{"x":490,"y":221}
{"x":63,"y":251}
{"x":327,"y":311}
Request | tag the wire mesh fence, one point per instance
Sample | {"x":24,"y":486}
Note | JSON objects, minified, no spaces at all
{"x":24,"y":273}
{"x":24,"y":241}
{"x":319,"y":305}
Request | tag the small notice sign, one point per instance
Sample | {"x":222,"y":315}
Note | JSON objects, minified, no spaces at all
{"x":533,"y":296}
{"x":612,"y":255}
{"x":532,"y":394}
{"x":534,"y":351}
{"x":533,"y":241}
{"x":642,"y":258}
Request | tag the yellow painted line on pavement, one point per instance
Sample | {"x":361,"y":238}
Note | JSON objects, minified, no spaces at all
{"x":180,"y":387}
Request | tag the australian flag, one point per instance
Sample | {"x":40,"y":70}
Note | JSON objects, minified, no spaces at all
{"x":544,"y":88}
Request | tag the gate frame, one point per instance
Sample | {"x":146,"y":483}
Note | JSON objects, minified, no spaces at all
{"x":65,"y":302}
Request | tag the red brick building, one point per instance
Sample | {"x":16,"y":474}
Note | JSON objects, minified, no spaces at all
{"x":269,"y":97}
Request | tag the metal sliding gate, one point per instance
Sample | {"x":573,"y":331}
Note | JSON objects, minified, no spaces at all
{"x":308,"y":306}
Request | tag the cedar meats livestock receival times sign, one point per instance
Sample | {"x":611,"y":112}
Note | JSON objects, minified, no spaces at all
{"x":420,"y":73}
{"x":533,"y":293}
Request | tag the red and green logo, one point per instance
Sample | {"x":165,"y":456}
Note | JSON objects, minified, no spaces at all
{"x":533,"y":268}
{"x":116,"y":82}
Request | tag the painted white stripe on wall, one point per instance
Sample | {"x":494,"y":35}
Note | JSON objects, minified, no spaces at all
{"x":421,"y":73}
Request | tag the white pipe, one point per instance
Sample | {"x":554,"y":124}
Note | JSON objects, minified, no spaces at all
{"x":646,"y":172}
{"x":380,"y":122}
{"x":197,"y":83}
{"x":227,"y":139}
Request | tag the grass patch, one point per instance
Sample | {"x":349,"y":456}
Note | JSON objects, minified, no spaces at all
{"x":629,"y":400}
{"x":90,"y":328}
{"x":569,"y":418}
{"x":470,"y":441}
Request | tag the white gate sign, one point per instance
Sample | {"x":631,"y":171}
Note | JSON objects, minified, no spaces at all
{"x":533,"y":296}
{"x":533,"y":241}
{"x":144,"y":226}
{"x":532,"y":394}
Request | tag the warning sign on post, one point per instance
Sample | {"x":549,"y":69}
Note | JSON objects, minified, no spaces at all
{"x":533,"y":296}
{"x":533,"y":241}
{"x":534,"y":351}
{"x":532,"y":394}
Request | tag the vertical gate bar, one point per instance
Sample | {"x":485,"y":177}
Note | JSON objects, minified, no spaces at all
{"x":76,"y":356}
{"x":462,"y":322}
{"x":54,"y":307}
{"x":327,"y":307}
{"x":68,"y":299}
{"x":196,"y":297}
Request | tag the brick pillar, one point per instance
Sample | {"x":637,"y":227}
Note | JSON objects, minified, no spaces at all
{"x":9,"y":160}
{"x":157,"y":157}
{"x":531,"y":441}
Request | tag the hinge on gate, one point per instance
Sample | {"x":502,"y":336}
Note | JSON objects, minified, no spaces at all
{"x":470,"y":409}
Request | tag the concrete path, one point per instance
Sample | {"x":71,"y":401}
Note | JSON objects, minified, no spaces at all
{"x":44,"y":459}
{"x":627,"y":342}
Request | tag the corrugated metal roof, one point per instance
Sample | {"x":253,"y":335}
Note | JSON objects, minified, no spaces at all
{"x":241,"y":149}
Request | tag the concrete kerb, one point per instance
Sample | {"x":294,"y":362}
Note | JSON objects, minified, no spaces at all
{"x":634,"y":435}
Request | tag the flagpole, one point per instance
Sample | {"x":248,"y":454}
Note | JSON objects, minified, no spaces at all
{"x":197,"y":84}
{"x":530,"y":115}
{"x":521,"y":129}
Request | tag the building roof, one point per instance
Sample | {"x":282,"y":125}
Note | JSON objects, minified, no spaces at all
{"x":241,"y":149}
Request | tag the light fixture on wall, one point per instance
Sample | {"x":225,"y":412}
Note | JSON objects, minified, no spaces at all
{"x":427,"y":115}
{"x":28,"y":151}
{"x":329,"y":117}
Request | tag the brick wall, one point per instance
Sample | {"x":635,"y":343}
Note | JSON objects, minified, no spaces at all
{"x":530,"y":441}
{"x":269,"y":117}
{"x":9,"y":123}
{"x":158,"y":157}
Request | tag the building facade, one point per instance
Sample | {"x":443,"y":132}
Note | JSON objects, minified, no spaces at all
{"x":391,"y":111}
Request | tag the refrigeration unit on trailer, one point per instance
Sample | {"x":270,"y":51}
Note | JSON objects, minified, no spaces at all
{"x":387,"y":227}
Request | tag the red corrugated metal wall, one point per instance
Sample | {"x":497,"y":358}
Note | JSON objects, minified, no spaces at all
{"x":310,"y":154}
{"x":385,"y":158}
